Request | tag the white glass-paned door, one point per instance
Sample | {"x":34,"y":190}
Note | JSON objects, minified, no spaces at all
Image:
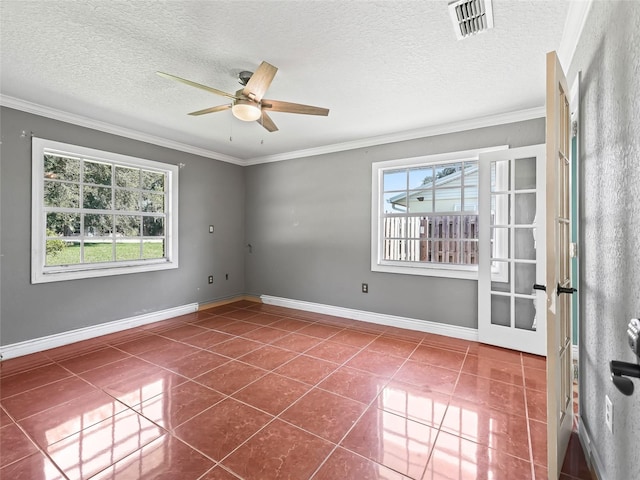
{"x":511,"y":313}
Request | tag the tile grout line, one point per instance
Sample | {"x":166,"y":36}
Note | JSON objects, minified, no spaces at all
{"x":526,"y":411}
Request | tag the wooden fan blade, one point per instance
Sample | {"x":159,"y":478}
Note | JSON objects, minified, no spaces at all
{"x":197,"y":85}
{"x":219,"y":108}
{"x":267,"y":123}
{"x":259,"y":82}
{"x":278,"y":106}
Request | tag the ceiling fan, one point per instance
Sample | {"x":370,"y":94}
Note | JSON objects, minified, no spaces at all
{"x":248,"y":102}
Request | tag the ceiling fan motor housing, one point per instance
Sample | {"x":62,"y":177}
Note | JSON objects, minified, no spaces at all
{"x":244,"y":77}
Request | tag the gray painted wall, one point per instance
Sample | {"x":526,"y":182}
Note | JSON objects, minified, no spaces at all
{"x":308,"y":221}
{"x":210,"y":192}
{"x":608,"y":55}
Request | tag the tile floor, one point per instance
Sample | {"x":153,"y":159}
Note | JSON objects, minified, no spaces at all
{"x":256,"y":392}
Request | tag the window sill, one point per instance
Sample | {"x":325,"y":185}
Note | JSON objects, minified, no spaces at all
{"x":465,"y":273}
{"x":62,"y":274}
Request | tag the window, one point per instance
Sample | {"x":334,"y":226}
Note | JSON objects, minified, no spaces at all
{"x":425,"y":215}
{"x":98,"y":213}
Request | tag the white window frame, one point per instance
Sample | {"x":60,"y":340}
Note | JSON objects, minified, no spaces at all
{"x":378,"y":264}
{"x":40,"y":273}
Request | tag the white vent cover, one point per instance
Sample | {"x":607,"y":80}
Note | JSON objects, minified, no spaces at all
{"x":470,"y":17}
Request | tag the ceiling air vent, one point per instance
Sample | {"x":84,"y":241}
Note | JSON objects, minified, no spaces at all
{"x":470,"y":17}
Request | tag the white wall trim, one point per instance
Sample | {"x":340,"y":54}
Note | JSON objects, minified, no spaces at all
{"x":589,"y":449}
{"x":470,"y":124}
{"x":82,"y":121}
{"x":64,"y":338}
{"x":574,"y":24}
{"x":377,"y":318}
{"x":488,"y":121}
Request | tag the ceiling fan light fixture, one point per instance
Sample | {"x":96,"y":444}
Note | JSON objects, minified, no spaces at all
{"x":246,"y":110}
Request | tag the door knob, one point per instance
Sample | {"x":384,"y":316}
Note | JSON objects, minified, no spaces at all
{"x":620,"y":371}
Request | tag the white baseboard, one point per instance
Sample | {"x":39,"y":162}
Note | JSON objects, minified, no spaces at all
{"x":378,"y":318}
{"x":64,"y":338}
{"x":589,"y":451}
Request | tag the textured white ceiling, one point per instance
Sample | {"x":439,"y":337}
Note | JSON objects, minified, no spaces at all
{"x":381,"y":67}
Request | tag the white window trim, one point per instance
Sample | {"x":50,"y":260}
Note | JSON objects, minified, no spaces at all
{"x":424,"y":269}
{"x":42,"y":274}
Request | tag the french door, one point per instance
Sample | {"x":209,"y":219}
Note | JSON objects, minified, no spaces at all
{"x":512,"y":267}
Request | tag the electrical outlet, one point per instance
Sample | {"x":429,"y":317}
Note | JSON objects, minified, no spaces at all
{"x":210,"y":228}
{"x":210,"y":278}
{"x":608,"y":412}
{"x":365,"y":288}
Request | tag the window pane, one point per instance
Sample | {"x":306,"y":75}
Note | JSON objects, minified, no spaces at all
{"x":395,"y":202}
{"x":63,"y":224}
{"x":127,"y":250}
{"x":419,"y":177}
{"x":469,"y":253}
{"x":448,"y":200}
{"x":60,"y":252}
{"x":470,"y":199}
{"x":98,"y":173}
{"x":470,"y":170}
{"x":153,"y":181}
{"x":97,"y":198}
{"x":152,"y":226}
{"x":98,"y":225}
{"x":421,"y":201}
{"x":153,"y":249}
{"x":394,"y":249}
{"x":127,"y":226}
{"x":394,"y":180}
{"x":127,"y":177}
{"x":153,"y":202}
{"x":127,"y":200}
{"x":449,"y":174}
{"x":61,"y":168}
{"x":447,"y":226}
{"x":61,"y":194}
{"x":469,"y":226}
{"x":98,"y":252}
{"x":395,"y":227}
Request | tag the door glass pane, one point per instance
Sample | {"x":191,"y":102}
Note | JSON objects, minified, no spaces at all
{"x":500,"y":310}
{"x":500,"y":242}
{"x":525,"y":208}
{"x":525,"y":277}
{"x":500,"y":179}
{"x":525,"y":248}
{"x":500,"y":209}
{"x":525,"y":313}
{"x":501,"y":271}
{"x":525,"y":173}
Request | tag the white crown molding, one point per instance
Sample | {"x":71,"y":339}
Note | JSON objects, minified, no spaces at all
{"x":488,"y":121}
{"x":574,"y":24}
{"x":59,"y":339}
{"x":470,"y":124}
{"x":36,"y":109}
{"x":377,"y":318}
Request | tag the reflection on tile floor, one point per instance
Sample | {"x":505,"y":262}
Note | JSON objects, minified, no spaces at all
{"x":257,"y":392}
